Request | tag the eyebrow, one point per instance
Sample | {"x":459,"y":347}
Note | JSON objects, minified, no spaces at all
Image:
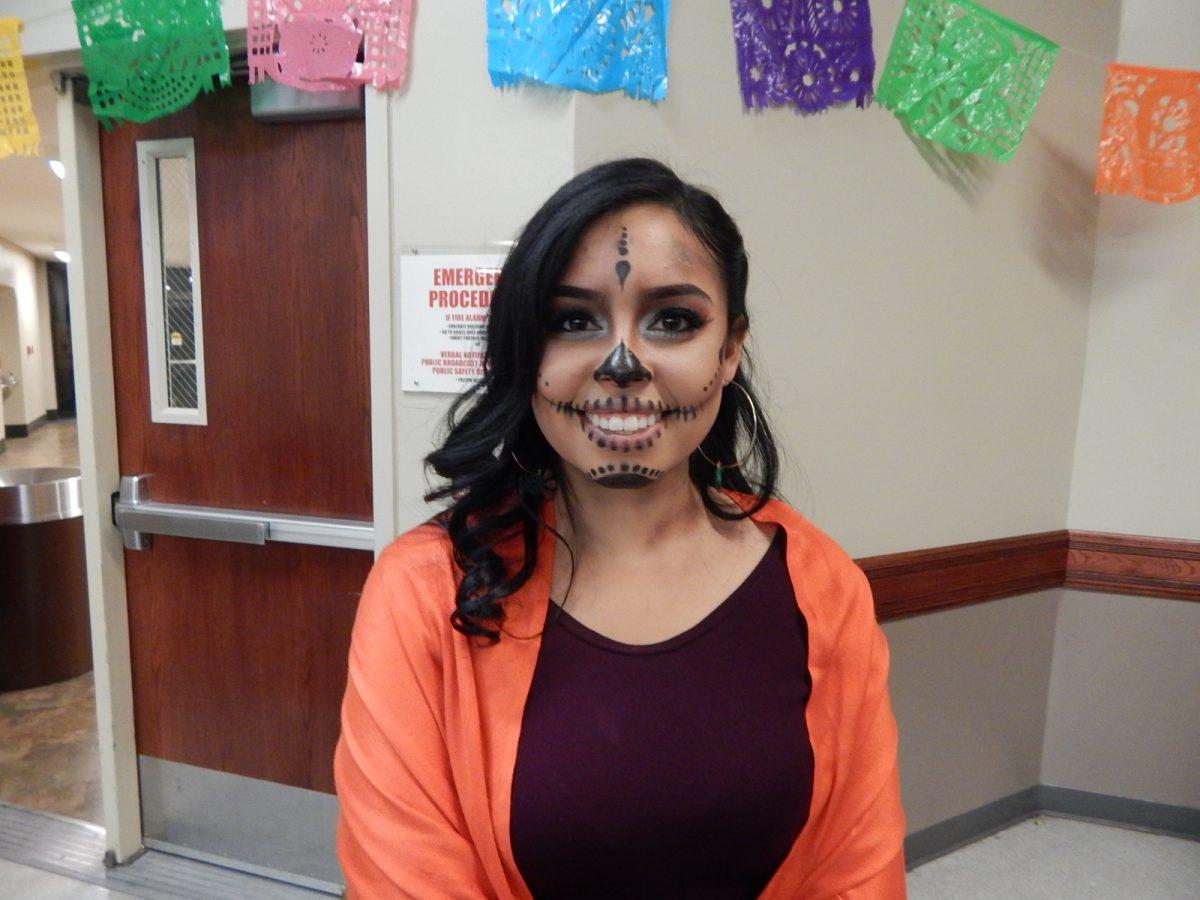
{"x":677,"y":290}
{"x":664,"y":292}
{"x":578,"y":293}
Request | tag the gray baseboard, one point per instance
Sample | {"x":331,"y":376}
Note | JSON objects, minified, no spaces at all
{"x":1180,"y":821}
{"x":945,"y":837}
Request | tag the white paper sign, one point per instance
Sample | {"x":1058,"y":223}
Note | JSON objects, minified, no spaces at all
{"x":444,"y":302}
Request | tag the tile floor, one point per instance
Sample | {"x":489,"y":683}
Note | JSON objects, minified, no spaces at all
{"x":49,"y":749}
{"x":27,"y":883}
{"x":1046,"y":858}
{"x":53,"y":444}
{"x":1051,"y":858}
{"x":48,"y":745}
{"x":63,"y":848}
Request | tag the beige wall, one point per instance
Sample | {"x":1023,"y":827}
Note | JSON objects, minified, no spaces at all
{"x":921,"y":339}
{"x":969,"y":692}
{"x":1124,"y":709}
{"x":11,"y":397}
{"x":27,"y":401}
{"x":906,"y":325}
{"x":1136,"y":464}
{"x":472,"y":164}
{"x":46,"y":339}
{"x":1124,"y":714}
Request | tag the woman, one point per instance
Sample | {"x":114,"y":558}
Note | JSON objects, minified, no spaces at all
{"x":617,"y":666}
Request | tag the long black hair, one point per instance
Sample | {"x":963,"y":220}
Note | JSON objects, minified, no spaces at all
{"x":492,"y":499}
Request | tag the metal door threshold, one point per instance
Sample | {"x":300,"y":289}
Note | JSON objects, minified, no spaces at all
{"x":76,"y":849}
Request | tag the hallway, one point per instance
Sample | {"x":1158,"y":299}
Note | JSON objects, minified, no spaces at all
{"x":53,"y":444}
{"x":49,"y":750}
{"x":48,"y":745}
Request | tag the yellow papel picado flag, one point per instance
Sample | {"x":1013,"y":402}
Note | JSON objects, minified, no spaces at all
{"x":18,"y":127}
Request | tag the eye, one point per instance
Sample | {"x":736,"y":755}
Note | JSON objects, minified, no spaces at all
{"x":676,"y":320}
{"x":572,"y":321}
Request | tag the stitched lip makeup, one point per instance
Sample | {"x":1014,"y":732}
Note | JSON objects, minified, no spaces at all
{"x":622,"y":433}
{"x":623,"y":423}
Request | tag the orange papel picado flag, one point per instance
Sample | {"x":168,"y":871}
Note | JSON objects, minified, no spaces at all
{"x":18,"y":127}
{"x":1150,"y":140}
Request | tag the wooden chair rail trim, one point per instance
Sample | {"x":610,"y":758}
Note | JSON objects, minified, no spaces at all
{"x":939,"y":578}
{"x":1136,"y":544}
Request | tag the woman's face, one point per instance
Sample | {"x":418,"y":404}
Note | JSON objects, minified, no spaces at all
{"x":637,"y":351}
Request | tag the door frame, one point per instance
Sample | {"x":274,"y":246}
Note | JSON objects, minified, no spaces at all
{"x":87,"y":279}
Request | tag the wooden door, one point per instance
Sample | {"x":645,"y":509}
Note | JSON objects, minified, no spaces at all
{"x":239,"y":651}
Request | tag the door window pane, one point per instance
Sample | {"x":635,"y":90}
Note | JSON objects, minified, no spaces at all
{"x":170,"y":259}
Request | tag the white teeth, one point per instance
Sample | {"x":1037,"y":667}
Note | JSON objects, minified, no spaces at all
{"x":622,"y":424}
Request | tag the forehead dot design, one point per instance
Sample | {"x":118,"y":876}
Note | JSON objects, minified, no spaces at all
{"x":623,"y":266}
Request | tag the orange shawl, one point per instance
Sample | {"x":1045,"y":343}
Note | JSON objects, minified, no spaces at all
{"x":430,"y":726}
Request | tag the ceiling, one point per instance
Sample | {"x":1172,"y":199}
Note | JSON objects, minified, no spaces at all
{"x":30,"y":194}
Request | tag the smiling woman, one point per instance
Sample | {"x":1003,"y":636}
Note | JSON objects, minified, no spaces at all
{"x":691,"y":699}
{"x":657,"y":302}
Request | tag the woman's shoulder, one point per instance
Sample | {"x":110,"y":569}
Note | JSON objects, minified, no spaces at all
{"x":835,"y":588}
{"x":804,"y":538}
{"x":426,"y":544}
{"x":415,"y":578}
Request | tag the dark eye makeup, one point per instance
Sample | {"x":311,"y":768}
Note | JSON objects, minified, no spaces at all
{"x":669,"y":322}
{"x":571,"y":321}
{"x":674,"y":321}
{"x":677,"y":320}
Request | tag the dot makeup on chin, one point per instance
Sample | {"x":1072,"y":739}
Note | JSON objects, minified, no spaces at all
{"x":625,"y":475}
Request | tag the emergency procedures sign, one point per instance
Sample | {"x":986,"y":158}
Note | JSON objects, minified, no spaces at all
{"x":444,"y":302}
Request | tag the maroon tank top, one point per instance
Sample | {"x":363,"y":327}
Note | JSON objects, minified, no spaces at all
{"x":677,"y":769}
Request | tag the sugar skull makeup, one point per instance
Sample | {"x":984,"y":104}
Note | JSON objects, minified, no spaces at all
{"x":637,"y":349}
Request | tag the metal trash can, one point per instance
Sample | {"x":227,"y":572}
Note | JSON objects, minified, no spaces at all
{"x":44,"y":631}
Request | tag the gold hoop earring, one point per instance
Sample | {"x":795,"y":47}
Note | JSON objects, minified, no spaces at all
{"x":532,"y":482}
{"x":718,"y":468}
{"x":522,"y":466}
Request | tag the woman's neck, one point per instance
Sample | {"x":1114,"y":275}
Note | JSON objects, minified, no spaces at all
{"x":604,"y":522}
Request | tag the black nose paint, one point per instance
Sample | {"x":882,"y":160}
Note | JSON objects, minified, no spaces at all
{"x":621,"y":367}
